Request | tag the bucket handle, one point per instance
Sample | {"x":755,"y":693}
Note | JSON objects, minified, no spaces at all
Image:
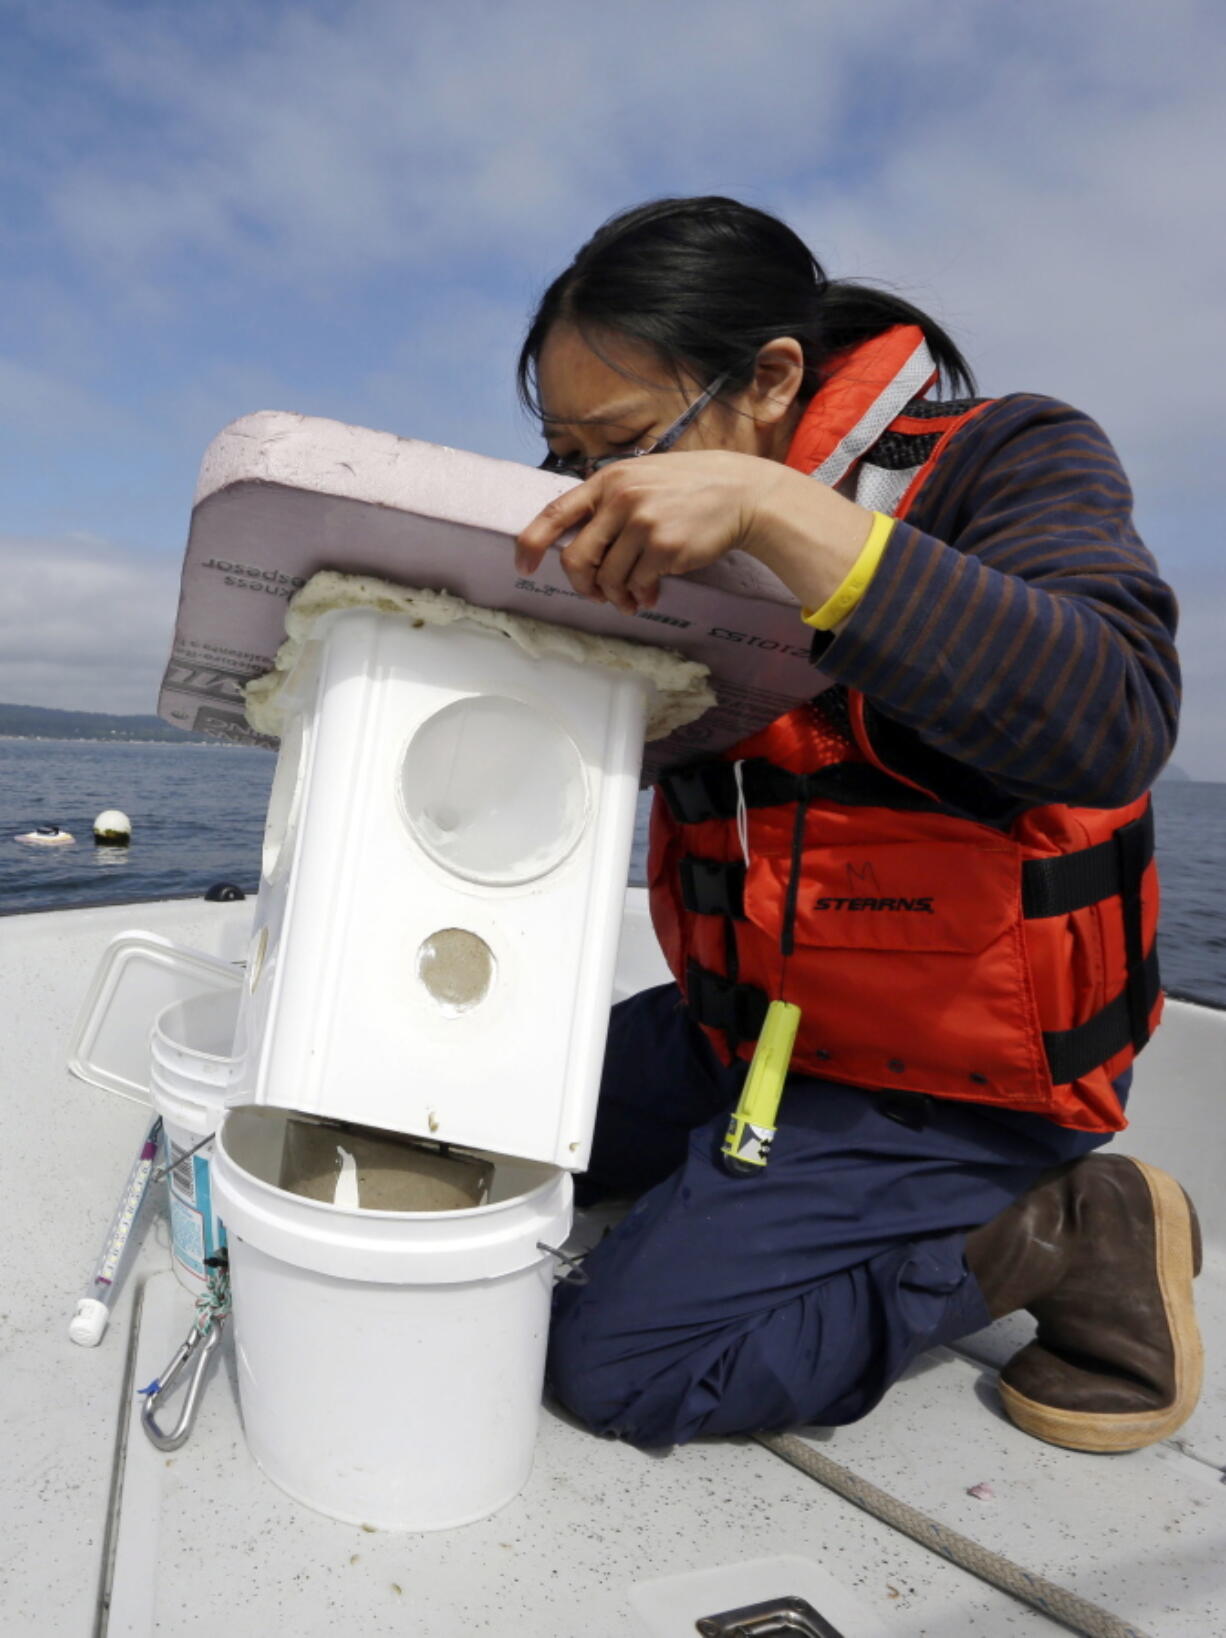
{"x":574,"y":1274}
{"x":162,"y":1171}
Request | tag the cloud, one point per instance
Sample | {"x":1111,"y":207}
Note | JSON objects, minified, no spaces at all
{"x":347,"y":208}
{"x":83,"y":624}
{"x":47,"y":403}
{"x":340,"y":139}
{"x":1057,"y":212}
{"x":1042,"y":177}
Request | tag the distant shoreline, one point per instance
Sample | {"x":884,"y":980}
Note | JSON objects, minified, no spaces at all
{"x":124,"y":739}
{"x":219,"y":744}
{"x":46,"y":723}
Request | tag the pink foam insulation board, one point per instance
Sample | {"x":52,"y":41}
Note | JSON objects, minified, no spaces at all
{"x":281,"y":496}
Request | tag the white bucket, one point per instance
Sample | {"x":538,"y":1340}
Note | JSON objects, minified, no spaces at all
{"x":191,"y":1073}
{"x":390,"y":1363}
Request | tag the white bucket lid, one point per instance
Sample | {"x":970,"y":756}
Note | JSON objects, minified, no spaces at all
{"x":139,"y":976}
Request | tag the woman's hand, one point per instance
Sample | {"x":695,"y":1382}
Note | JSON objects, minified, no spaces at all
{"x":657,"y":515}
{"x":641,"y":519}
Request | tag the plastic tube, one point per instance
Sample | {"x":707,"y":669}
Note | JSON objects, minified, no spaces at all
{"x":93,"y":1311}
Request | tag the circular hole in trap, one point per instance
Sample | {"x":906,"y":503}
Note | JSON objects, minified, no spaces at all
{"x":494,"y":790}
{"x":456,"y":967}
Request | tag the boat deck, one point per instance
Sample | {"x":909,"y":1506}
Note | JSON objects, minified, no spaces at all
{"x":102,"y":1534}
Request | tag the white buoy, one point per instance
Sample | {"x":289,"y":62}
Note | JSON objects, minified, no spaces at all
{"x":47,"y":836}
{"x":112,"y":829}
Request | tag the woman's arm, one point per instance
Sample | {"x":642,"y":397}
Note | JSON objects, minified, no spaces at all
{"x":1028,"y":635}
{"x":1015,"y":622}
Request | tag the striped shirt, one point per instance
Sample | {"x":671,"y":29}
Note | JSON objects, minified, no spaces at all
{"x":1016,"y":644}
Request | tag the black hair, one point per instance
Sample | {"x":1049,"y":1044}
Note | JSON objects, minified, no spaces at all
{"x":705,"y":282}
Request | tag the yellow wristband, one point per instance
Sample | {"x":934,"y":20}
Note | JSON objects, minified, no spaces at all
{"x":841,"y":602}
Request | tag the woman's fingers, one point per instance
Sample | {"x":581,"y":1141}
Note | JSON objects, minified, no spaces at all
{"x":643,"y":582}
{"x":582,"y":557}
{"x":619,"y":566}
{"x":640,"y":520}
{"x":566,"y":511}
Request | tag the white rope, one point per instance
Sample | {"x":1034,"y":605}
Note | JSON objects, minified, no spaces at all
{"x":1051,"y":1600}
{"x":213,"y":1303}
{"x":742,"y":810}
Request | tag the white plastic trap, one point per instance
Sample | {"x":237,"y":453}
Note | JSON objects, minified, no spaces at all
{"x":448,"y":838}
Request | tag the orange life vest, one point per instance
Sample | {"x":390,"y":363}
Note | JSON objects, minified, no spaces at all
{"x":1011,"y":965}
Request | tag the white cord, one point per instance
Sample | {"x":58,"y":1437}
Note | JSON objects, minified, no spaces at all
{"x":742,"y":810}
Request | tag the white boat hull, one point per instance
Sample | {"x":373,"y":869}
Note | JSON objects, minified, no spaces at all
{"x":602,"y":1538}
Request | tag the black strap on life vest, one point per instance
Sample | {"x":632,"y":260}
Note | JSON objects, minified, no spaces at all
{"x":738,"y":1009}
{"x":787,"y":941}
{"x":711,"y":887}
{"x":708,"y":789}
{"x":1134,"y":844}
{"x":1052,"y":887}
{"x":1072,"y":1053}
{"x":1056,"y":887}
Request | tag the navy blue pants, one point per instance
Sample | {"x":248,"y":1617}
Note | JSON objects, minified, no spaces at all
{"x":726,"y":1305}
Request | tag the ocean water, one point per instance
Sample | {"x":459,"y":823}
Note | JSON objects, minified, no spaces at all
{"x":197,"y":816}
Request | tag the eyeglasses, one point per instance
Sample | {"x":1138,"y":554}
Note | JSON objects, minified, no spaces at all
{"x":584,"y":468}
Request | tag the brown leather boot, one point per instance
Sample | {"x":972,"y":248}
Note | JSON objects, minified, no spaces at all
{"x":1102,"y":1252}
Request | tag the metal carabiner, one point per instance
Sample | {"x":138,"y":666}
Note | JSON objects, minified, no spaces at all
{"x":200,"y":1347}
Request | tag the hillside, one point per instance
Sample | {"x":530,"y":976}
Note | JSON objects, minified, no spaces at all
{"x":41,"y":722}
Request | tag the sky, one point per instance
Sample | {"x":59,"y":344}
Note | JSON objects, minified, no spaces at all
{"x":347,"y":208}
